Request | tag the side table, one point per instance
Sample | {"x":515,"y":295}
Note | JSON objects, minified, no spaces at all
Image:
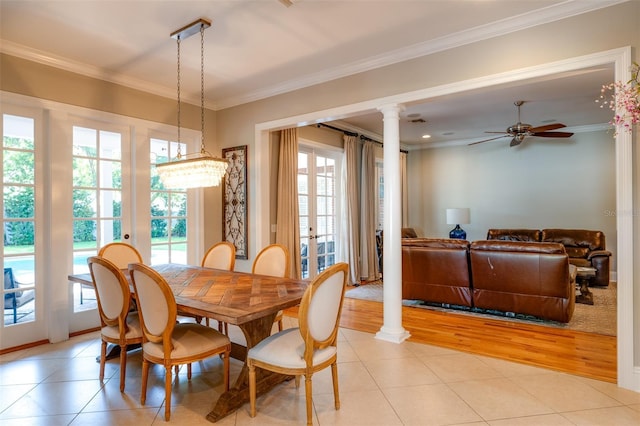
{"x":583,"y":276}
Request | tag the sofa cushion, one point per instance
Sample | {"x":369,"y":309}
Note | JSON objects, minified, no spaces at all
{"x":514,"y":234}
{"x":518,"y":246}
{"x":582,"y":240}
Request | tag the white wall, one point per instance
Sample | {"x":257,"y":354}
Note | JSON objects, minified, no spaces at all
{"x":543,"y":183}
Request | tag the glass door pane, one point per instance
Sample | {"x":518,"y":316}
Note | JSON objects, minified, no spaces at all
{"x":97,"y":200}
{"x":19,"y":220}
{"x":317,"y":203}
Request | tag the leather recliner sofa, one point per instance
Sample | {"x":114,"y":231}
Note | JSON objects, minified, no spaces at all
{"x":523,"y":277}
{"x":513,"y":277}
{"x":436,"y":270}
{"x":584,"y":247}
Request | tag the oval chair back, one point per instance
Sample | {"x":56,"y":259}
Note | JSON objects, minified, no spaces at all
{"x":122,"y":254}
{"x":221,"y":255}
{"x":272,"y":260}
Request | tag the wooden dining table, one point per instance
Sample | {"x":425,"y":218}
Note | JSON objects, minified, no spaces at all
{"x":249,"y":301}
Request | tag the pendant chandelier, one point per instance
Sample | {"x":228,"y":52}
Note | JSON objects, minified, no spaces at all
{"x":201,"y":169}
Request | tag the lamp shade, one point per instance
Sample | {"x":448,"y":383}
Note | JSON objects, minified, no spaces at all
{"x":457,"y":216}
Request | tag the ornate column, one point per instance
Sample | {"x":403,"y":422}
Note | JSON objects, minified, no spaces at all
{"x":392,"y":329}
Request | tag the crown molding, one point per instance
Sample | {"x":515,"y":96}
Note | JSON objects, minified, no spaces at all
{"x":44,"y":58}
{"x":566,"y":9}
{"x":545,"y":15}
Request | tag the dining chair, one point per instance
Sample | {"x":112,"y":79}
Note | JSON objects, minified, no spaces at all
{"x":164,"y":340}
{"x":221,"y":255}
{"x":122,"y":254}
{"x":310,"y":347}
{"x":273,"y":260}
{"x":119,"y":326}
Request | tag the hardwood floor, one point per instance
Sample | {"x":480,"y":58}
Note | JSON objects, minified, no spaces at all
{"x":584,"y":354}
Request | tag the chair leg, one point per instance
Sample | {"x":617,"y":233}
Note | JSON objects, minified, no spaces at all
{"x":167,"y":393}
{"x":334,"y":376}
{"x":123,"y":365}
{"x":252,"y":390}
{"x":145,"y":376}
{"x":103,"y":357}
{"x":308,"y":395}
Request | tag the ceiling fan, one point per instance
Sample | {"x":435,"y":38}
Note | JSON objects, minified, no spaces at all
{"x":521,"y":130}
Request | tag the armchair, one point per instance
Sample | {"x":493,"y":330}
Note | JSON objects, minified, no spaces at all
{"x":585,"y":248}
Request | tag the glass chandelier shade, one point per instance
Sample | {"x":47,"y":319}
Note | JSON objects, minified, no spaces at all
{"x":198,"y":170}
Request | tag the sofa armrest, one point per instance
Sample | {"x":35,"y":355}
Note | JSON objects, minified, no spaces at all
{"x":597,"y":253}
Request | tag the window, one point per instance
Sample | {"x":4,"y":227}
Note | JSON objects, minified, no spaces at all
{"x":168,"y":209}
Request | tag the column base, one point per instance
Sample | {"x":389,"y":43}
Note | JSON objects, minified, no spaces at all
{"x":393,"y":336}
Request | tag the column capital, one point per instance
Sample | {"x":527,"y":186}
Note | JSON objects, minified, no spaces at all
{"x":388,"y":109}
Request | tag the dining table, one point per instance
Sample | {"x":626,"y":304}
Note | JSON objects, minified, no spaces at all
{"x":249,"y":301}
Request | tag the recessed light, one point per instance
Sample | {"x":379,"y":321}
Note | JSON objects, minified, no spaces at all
{"x":426,"y":136}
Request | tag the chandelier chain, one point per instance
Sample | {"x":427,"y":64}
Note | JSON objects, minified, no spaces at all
{"x":179,"y":154}
{"x":202,"y":150}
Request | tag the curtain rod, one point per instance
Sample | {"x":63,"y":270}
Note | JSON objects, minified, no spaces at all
{"x":348,"y":133}
{"x":365,"y":138}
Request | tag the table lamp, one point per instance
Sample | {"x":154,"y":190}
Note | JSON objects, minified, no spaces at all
{"x":456,"y":217}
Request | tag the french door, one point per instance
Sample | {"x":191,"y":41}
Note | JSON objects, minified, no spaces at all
{"x":23,"y":222}
{"x":101,"y":203}
{"x":318,"y":203}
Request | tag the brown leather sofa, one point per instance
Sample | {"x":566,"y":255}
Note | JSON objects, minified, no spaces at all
{"x":523,"y":277}
{"x":584,"y":247}
{"x":512,"y":277}
{"x":436,"y":270}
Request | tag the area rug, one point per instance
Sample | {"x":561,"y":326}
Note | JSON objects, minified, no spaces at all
{"x":599,"y":318}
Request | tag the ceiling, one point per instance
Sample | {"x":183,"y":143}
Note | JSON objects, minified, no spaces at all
{"x":260,"y":48}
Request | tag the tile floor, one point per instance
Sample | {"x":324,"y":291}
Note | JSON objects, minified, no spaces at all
{"x":380,"y":384}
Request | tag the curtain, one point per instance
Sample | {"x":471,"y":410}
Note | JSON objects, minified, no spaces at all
{"x":351,"y":235}
{"x":404,"y":189}
{"x":368,"y":248}
{"x":287,"y":221}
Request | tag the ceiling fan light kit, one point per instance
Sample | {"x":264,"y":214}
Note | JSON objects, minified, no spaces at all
{"x":519,"y":131}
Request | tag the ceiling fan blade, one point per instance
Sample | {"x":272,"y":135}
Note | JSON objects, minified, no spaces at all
{"x":504,"y":133}
{"x":553,"y":134}
{"x":487,"y":140}
{"x":547,"y":127}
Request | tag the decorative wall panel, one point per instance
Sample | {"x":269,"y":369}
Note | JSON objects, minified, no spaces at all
{"x":234,"y":200}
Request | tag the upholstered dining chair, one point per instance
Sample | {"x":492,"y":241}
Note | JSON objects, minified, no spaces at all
{"x":122,"y":254}
{"x":310,"y":347}
{"x":118,"y":325}
{"x":221,"y":255}
{"x":164,"y":340}
{"x":273,"y":260}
